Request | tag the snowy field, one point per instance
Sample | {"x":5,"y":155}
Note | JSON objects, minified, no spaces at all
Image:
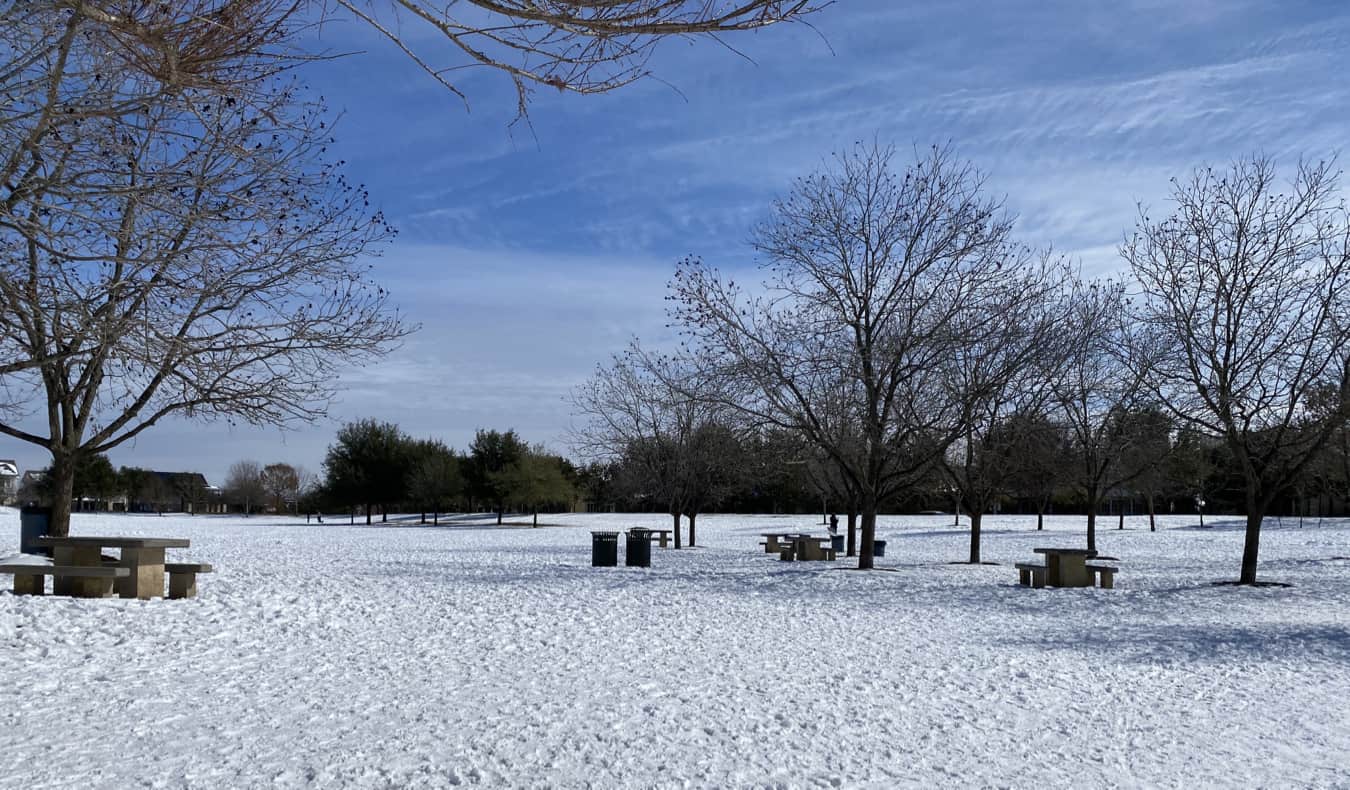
{"x":405,"y":656}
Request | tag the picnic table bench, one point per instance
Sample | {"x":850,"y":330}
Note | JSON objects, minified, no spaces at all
{"x":183,"y":577}
{"x":662,"y":536}
{"x":1030,"y":574}
{"x":1107,"y":574}
{"x":84,"y":581}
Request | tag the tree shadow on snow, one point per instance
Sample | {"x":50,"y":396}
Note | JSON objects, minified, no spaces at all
{"x":1172,"y":644}
{"x":570,"y":569}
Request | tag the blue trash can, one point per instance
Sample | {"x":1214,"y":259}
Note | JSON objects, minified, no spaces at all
{"x":33,"y":523}
{"x":878,"y":548}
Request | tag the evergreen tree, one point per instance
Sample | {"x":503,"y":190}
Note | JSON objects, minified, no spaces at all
{"x":369,"y":465}
{"x":535,"y":480}
{"x":435,"y":478}
{"x":491,"y":454}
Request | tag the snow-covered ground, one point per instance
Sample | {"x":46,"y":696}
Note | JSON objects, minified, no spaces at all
{"x":395,"y":656}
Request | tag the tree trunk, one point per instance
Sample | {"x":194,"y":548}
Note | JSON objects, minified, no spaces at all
{"x":536,"y":518}
{"x":1252,"y":544}
{"x":975,"y":518}
{"x":1040,"y":519}
{"x":1121,"y":525}
{"x":852,"y":533}
{"x":435,"y":518}
{"x":1152,"y":515}
{"x":368,"y":509}
{"x":869,"y":533}
{"x":675,"y":517}
{"x":424,"y":517}
{"x":500,"y":509}
{"x":693,"y":535}
{"x":1092,"y":527}
{"x":384,"y":514}
{"x":63,"y":491}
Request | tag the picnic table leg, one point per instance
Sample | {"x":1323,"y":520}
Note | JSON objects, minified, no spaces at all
{"x":1073,"y":572}
{"x":30,"y":584}
{"x":86,"y":556}
{"x":182,"y":585}
{"x":147,"y":573}
{"x":62,"y":555}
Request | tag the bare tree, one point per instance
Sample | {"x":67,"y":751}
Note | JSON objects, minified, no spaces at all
{"x":869,"y":276}
{"x":581,"y":46}
{"x":1098,"y":382}
{"x":1148,"y":456}
{"x":1247,"y":286}
{"x":655,"y":415}
{"x":836,"y":486}
{"x":1002,"y":373}
{"x":281,"y":483}
{"x":712,"y":468}
{"x":306,"y":481}
{"x":244,"y":484}
{"x":182,"y":252}
{"x":1042,"y":449}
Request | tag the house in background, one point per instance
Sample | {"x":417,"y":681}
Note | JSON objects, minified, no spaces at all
{"x":9,"y":481}
{"x":28,"y":487}
{"x":176,"y":492}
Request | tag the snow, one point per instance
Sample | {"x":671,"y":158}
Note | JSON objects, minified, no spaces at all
{"x":405,"y":656}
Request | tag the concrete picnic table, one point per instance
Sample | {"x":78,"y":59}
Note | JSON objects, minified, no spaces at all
{"x":142,"y":557}
{"x":812,"y":547}
{"x":771,"y":540}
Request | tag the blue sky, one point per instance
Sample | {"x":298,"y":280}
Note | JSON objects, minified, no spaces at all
{"x":529,"y":254}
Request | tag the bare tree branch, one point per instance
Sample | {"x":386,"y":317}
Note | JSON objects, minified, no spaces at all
{"x":1246,"y":288}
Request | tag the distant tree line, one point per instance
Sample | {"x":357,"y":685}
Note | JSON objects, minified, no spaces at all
{"x":1032,"y":464}
{"x":374,"y":466}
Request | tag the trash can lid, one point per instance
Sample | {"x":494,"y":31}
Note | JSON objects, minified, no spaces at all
{"x":604,"y":532}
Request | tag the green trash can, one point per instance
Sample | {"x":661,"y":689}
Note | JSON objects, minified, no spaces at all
{"x":638,"y":552}
{"x":604,"y":549}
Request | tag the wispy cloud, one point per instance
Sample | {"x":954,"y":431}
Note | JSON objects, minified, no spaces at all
{"x":529,"y":253}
